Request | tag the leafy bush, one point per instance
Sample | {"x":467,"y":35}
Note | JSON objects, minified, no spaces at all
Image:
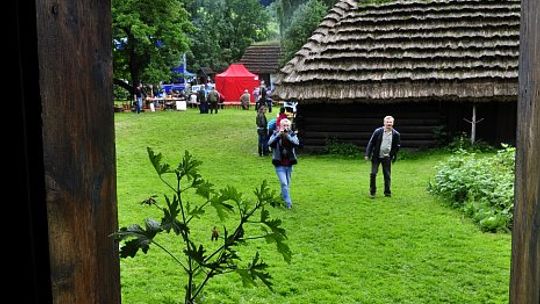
{"x":201,"y":262}
{"x":336,"y":147}
{"x":463,"y":142}
{"x":482,"y":187}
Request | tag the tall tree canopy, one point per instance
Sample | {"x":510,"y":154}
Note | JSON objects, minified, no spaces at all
{"x":224,"y":29}
{"x":149,"y":37}
{"x":304,"y":21}
{"x":286,"y":8}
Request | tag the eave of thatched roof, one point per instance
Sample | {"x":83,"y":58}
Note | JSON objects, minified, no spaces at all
{"x":262,"y":58}
{"x":408,"y":50}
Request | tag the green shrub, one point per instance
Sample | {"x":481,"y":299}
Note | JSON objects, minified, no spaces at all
{"x":463,"y":142}
{"x":483,"y":187}
{"x":336,"y":147}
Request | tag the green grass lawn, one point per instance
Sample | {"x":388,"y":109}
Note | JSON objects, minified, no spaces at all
{"x":347,"y":248}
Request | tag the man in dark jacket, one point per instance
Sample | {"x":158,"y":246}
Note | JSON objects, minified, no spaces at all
{"x":382,"y":149}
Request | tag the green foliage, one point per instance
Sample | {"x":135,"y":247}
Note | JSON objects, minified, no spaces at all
{"x":224,"y":29}
{"x":120,"y":93}
{"x":202,"y":261}
{"x":482,"y":187}
{"x":463,"y":142}
{"x":304,"y":21}
{"x":336,"y":147}
{"x":150,"y":37}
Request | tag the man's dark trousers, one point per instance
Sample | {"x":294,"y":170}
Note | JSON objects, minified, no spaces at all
{"x":387,"y":169}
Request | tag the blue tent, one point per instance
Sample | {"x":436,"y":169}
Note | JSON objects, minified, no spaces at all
{"x":180,"y":70}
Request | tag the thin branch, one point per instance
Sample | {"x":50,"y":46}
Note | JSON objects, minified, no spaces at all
{"x":169,"y":253}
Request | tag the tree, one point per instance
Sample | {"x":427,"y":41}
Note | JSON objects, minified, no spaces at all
{"x":224,"y":29}
{"x":304,"y":21}
{"x":150,"y":37}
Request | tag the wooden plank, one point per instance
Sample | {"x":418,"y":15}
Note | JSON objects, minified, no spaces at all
{"x":412,"y":143}
{"x":371,"y":121}
{"x":75,"y":70}
{"x":525,"y":273}
{"x":362,"y":135}
{"x":365,"y":129}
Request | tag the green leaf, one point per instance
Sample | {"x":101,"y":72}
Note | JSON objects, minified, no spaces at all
{"x":196,"y":211}
{"x":265,"y":195}
{"x":155,"y":159}
{"x":204,"y":189}
{"x":197,"y":254}
{"x":137,"y":238}
{"x":170,"y":217}
{"x":222,"y":208}
{"x":257,"y":270}
{"x":189,"y":167}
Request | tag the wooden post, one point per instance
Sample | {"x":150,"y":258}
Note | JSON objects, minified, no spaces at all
{"x":473,"y":123}
{"x":525,"y":273}
{"x":77,"y":127}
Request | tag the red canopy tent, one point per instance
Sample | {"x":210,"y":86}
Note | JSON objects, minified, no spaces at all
{"x":235,"y":80}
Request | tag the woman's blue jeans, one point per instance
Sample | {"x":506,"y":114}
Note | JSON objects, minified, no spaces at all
{"x":284,"y":176}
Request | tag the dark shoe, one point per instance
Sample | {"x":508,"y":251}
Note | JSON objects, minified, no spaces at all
{"x":388,"y":195}
{"x":372,"y":196}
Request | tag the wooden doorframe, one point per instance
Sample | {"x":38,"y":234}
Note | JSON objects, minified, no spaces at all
{"x":64,"y":132}
{"x":525,"y":271}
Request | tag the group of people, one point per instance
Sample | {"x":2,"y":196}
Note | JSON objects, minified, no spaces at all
{"x":208,"y":100}
{"x":152,"y":96}
{"x":382,"y":150}
{"x":262,"y":96}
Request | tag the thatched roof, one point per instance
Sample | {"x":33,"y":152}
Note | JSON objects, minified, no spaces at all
{"x":262,"y":58}
{"x":449,"y":50}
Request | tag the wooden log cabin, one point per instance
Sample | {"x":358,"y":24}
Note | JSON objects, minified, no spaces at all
{"x":262,"y":58}
{"x":428,"y":64}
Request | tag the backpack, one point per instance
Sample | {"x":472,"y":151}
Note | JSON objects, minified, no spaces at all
{"x":272,"y":125}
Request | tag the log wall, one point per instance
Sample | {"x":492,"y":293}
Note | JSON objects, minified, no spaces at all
{"x":417,"y":122}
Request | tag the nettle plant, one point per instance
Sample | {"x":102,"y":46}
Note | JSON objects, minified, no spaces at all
{"x":179,"y":213}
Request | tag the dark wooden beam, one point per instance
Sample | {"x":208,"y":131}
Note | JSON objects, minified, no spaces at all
{"x":77,"y":128}
{"x":525,"y":273}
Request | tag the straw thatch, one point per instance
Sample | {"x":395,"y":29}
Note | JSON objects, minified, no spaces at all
{"x":262,"y":58}
{"x":449,"y":50}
